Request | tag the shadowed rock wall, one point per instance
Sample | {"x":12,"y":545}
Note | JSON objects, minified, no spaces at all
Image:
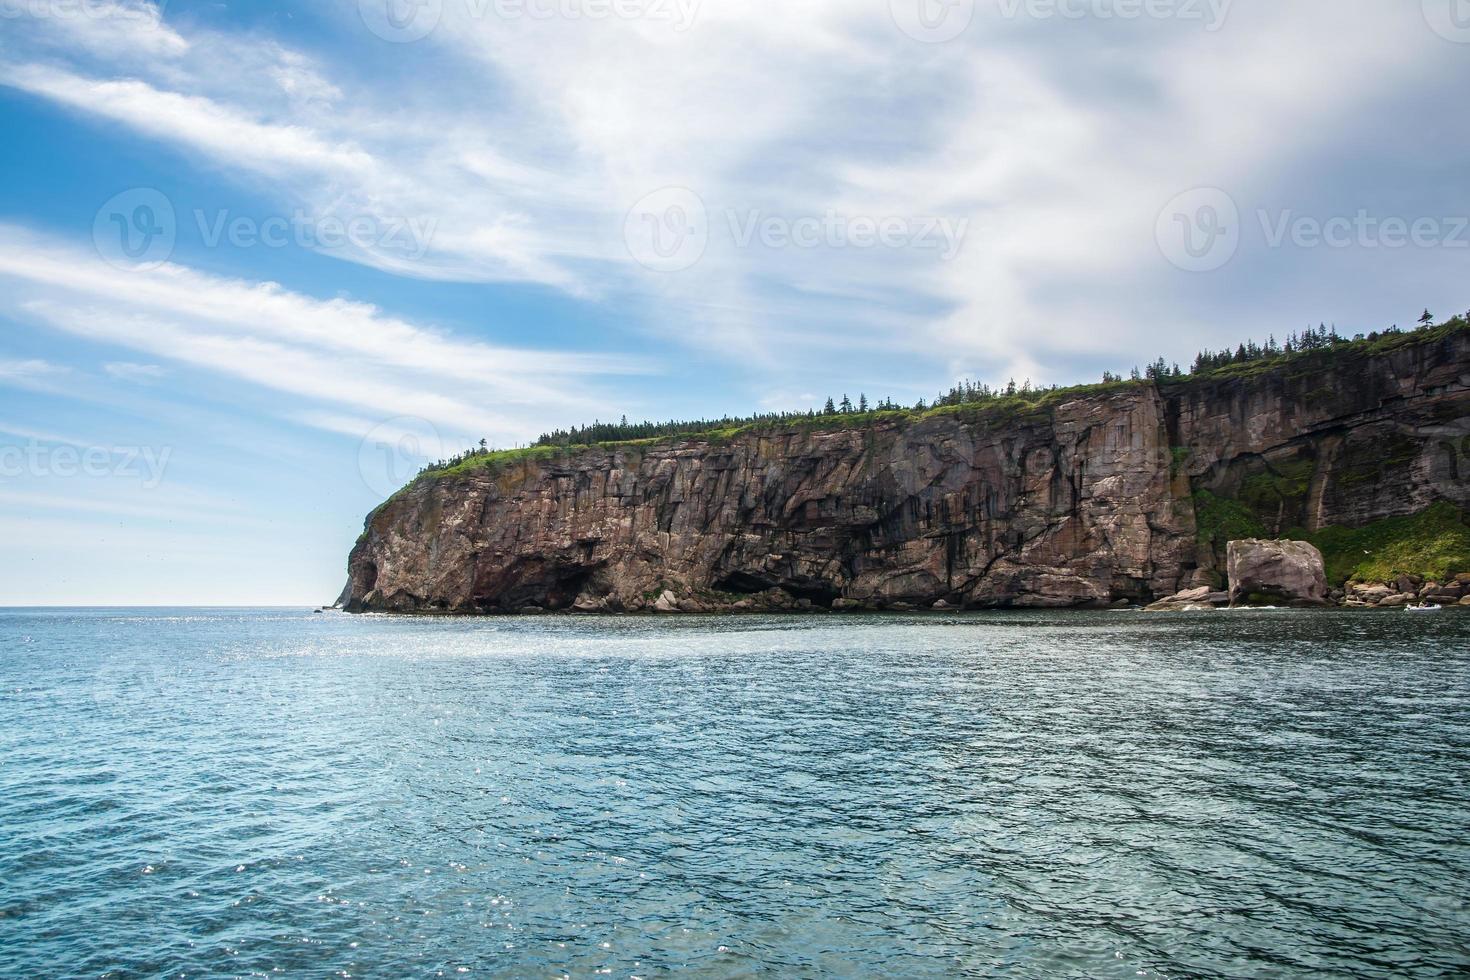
{"x":1075,"y":501}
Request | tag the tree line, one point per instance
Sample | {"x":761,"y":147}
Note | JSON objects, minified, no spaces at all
{"x":966,"y":392}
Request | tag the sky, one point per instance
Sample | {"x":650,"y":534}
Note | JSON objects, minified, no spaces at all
{"x":259,"y":261}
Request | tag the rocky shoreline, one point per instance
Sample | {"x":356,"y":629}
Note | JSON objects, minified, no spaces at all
{"x":1262,"y":573}
{"x":1356,"y":595}
{"x":1113,"y":496}
{"x":1404,"y":591}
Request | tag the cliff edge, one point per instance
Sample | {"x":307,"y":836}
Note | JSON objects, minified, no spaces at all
{"x":1128,"y":491}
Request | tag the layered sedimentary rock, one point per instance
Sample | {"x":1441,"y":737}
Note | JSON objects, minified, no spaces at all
{"x":1076,"y":499}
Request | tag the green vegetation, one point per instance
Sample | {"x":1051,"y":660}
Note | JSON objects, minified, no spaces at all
{"x":1434,"y":544}
{"x":1270,"y":357}
{"x":1279,"y":490}
{"x":1007,"y":403}
{"x":1221,"y":521}
{"x":1004,"y":409}
{"x":1392,"y":450}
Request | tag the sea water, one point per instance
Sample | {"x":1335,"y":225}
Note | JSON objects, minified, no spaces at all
{"x":227,"y":792}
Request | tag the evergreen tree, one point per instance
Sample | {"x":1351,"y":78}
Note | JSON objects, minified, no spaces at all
{"x":964,"y":392}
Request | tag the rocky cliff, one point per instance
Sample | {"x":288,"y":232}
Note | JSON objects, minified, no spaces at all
{"x":1087,"y":497}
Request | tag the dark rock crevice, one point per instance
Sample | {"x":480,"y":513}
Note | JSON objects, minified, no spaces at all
{"x":1078,"y":501}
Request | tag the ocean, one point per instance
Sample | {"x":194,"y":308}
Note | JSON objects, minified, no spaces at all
{"x":197,"y":792}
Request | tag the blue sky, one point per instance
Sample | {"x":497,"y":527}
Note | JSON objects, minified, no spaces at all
{"x":256,"y":259}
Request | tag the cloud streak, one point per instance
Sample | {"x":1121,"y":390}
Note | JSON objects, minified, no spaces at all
{"x":1055,"y":140}
{"x":323,"y":351}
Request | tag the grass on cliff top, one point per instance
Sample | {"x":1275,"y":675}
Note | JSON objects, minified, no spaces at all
{"x":1315,"y":359}
{"x":1434,"y":544}
{"x":1000,"y":409}
{"x":1005,"y":408}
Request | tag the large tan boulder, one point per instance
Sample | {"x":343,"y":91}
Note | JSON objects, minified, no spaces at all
{"x":1276,"y":572}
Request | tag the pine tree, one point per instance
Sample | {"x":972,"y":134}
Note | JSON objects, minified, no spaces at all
{"x":846,"y":406}
{"x":862,"y":402}
{"x":829,"y":408}
{"x":1427,"y":320}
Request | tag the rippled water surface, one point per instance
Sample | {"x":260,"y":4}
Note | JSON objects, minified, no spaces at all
{"x":1099,"y":794}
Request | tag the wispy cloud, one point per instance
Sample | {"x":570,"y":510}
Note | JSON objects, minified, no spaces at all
{"x":29,"y":369}
{"x":118,"y":29}
{"x":1054,"y":141}
{"x":22,"y":431}
{"x":35,"y":374}
{"x":325,"y":351}
{"x":135,"y":373}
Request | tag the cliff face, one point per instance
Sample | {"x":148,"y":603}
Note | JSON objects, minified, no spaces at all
{"x":1076,"y":500}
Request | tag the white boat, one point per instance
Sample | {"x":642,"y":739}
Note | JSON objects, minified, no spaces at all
{"x":1426,"y":607}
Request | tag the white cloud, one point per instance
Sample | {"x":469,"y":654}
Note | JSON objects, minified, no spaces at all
{"x":136,"y":373}
{"x":326,"y":351}
{"x":199,"y":122}
{"x":1057,"y":139}
{"x":38,"y":435}
{"x":29,"y":369}
{"x":122,"y":29}
{"x":34,"y":374}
